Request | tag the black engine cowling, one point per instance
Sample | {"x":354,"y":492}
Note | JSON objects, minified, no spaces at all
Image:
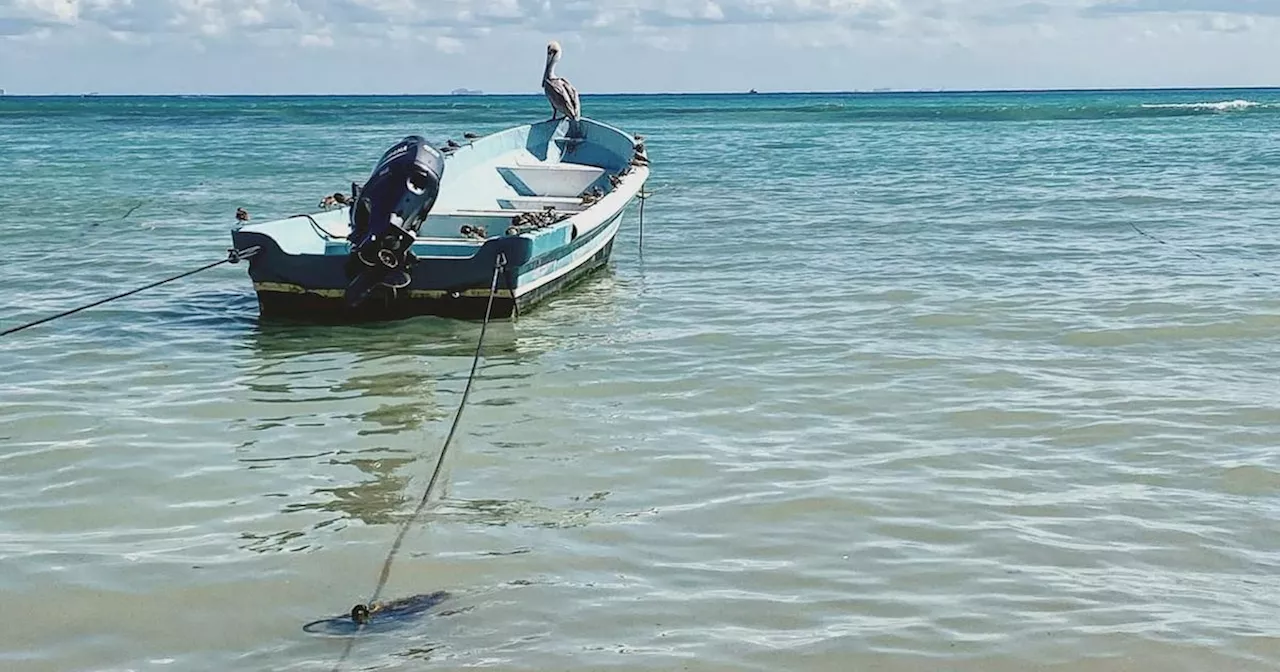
{"x":386,"y":215}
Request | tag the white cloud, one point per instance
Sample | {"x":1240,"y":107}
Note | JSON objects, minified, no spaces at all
{"x":449,"y":45}
{"x":64,"y":11}
{"x":674,"y":40}
{"x":322,"y":40}
{"x":655,"y":44}
{"x":252,"y":16}
{"x":1252,"y":7}
{"x":1229,"y":23}
{"x":235,"y":18}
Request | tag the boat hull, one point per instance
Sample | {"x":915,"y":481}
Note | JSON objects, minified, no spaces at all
{"x":527,"y":283}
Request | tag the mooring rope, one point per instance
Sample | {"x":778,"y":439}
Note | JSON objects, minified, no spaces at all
{"x":1193,"y":252}
{"x":320,"y":230}
{"x":643,"y":196}
{"x":435,"y":474}
{"x":233,"y":256}
{"x":133,"y":209}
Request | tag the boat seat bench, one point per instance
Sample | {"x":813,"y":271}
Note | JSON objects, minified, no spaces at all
{"x":565,"y":203}
{"x":499,"y":212}
{"x":553,"y":180}
{"x":549,"y":200}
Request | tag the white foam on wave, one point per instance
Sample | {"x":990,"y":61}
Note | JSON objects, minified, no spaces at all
{"x":1222,"y":106}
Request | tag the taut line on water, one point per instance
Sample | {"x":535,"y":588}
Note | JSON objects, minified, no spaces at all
{"x":233,"y":256}
{"x":1165,"y":242}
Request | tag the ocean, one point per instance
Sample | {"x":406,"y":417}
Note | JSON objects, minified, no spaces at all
{"x":930,"y":381}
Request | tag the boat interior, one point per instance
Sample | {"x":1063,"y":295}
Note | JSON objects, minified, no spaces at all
{"x":492,"y":180}
{"x":523,"y":170}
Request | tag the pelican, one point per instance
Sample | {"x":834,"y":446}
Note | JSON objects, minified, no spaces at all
{"x":561,"y":94}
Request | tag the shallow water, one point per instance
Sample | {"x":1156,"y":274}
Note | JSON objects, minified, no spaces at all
{"x":897,"y":383}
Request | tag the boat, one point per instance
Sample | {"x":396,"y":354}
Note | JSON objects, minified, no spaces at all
{"x":529,"y":210}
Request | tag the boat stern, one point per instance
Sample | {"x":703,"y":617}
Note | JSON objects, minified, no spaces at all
{"x":301,"y":279}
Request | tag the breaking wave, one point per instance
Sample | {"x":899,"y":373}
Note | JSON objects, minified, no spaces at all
{"x":1221,"y":106}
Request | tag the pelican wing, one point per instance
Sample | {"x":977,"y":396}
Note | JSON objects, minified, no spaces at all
{"x":575,"y":107}
{"x":563,"y":96}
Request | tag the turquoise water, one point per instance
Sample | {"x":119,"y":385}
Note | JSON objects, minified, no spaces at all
{"x":903,"y":382}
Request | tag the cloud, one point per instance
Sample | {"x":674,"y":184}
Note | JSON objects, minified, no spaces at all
{"x":461,"y":20}
{"x":181,"y":17}
{"x":1215,"y":16}
{"x":21,"y":26}
{"x":255,"y":45}
{"x":238,"y":18}
{"x":1227,"y":23}
{"x":320,"y":40}
{"x":1254,"y":7}
{"x":1025,"y":12}
{"x":449,"y":45}
{"x":61,"y":11}
{"x":666,"y":41}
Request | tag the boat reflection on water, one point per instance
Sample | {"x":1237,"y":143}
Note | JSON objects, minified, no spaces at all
{"x":346,"y":421}
{"x":362,"y":408}
{"x":275,"y":339}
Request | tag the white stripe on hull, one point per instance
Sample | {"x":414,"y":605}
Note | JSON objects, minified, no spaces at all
{"x":531,"y":280}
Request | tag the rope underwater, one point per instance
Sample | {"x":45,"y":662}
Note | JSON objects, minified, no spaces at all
{"x":499,"y":264}
{"x":642,"y":196}
{"x":1193,"y":252}
{"x":233,"y":256}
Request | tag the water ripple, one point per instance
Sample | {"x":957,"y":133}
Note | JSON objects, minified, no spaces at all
{"x":956,"y":412}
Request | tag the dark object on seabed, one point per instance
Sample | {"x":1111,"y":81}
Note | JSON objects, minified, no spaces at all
{"x":379,"y":617}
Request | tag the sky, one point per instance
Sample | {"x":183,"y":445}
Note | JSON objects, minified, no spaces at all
{"x":618,"y":46}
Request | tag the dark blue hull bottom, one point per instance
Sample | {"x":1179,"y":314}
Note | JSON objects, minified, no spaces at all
{"x":468,"y":305}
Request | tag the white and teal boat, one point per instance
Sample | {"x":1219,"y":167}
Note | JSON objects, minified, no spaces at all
{"x":424,"y":234}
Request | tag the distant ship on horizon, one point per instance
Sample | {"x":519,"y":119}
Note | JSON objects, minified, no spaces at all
{"x":467,"y":92}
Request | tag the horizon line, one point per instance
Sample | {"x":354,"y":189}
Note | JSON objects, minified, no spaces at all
{"x":476,"y":93}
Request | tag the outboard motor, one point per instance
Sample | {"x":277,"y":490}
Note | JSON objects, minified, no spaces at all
{"x":387,"y":213}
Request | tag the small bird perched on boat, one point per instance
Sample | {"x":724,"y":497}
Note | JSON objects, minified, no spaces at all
{"x":333,"y":201}
{"x":640,"y":157}
{"x":560,"y":93}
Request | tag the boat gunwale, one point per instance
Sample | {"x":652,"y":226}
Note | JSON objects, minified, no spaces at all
{"x":627,"y":176}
